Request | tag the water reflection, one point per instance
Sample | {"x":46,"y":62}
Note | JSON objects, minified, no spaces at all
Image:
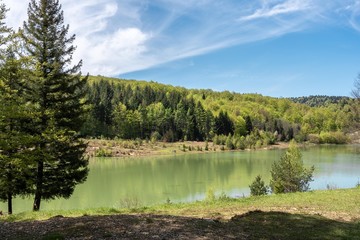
{"x":182,"y":178}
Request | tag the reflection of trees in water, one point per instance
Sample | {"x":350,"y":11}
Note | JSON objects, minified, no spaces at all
{"x":154,"y":179}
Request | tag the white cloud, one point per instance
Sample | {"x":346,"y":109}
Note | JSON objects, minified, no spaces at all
{"x":119,"y":36}
{"x":286,"y":7}
{"x":113,"y":53}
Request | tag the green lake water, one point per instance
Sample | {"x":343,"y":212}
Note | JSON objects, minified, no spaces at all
{"x":113,"y":182}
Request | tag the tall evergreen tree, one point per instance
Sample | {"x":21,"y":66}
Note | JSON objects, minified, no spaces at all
{"x":223,"y":124}
{"x":16,"y":143}
{"x":57,"y":89}
{"x":248,"y":125}
{"x":15,"y":114}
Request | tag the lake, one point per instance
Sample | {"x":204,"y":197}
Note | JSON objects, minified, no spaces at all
{"x":117,"y":182}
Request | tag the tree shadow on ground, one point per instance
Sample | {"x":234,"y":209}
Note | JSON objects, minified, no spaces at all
{"x":252,"y":225}
{"x":280,"y":225}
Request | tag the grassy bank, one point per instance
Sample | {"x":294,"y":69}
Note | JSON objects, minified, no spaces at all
{"x":340,"y":204}
{"x":332,"y":214}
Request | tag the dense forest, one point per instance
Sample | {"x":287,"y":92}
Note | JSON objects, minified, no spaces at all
{"x":130,"y":109}
{"x":321,"y":100}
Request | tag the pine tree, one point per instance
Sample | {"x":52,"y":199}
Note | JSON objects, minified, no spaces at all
{"x":15,"y":143}
{"x":57,"y":89}
{"x":258,"y":187}
{"x":288,"y":174}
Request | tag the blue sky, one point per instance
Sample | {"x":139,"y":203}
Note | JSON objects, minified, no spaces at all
{"x":277,"y":48}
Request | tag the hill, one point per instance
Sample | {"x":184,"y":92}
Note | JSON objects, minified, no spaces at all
{"x":131,"y":109}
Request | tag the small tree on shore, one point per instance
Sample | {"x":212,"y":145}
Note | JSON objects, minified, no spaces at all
{"x":288,"y":174}
{"x":258,"y":187}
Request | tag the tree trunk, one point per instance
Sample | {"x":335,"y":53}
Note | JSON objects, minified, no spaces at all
{"x":39,"y":184}
{"x":10,"y":190}
{"x":10,"y":203}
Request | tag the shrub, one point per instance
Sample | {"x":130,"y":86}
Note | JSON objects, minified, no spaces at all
{"x":210,"y":195}
{"x":333,"y":138}
{"x":240,"y":144}
{"x":258,"y":187}
{"x":258,"y":144}
{"x":155,"y":136}
{"x":314,"y":138}
{"x":103,"y":153}
{"x":229,"y":143}
{"x":329,"y":137}
{"x":289,"y":174}
{"x":130,"y":203}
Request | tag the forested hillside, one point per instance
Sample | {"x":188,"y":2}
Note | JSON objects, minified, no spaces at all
{"x":131,"y":109}
{"x":321,"y":100}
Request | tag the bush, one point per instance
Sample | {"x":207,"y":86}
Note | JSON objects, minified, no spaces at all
{"x":329,"y":137}
{"x":130,"y":203}
{"x":103,"y":153}
{"x":258,"y":187}
{"x":289,"y":174}
{"x":155,"y":136}
{"x":314,"y":138}
{"x":210,"y":195}
{"x":333,"y":138}
{"x":229,"y":143}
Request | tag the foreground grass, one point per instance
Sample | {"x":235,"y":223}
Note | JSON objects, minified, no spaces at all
{"x":340,"y":204}
{"x":333,"y":214}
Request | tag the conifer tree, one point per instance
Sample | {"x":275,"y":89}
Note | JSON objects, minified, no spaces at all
{"x":289,"y":174}
{"x":57,"y":89}
{"x":15,"y":143}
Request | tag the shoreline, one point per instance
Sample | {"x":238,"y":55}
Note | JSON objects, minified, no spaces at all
{"x":141,"y":148}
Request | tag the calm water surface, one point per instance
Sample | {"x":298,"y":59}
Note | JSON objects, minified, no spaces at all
{"x":184,"y":178}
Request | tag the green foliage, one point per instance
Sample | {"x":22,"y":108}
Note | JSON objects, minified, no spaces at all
{"x":16,"y":142}
{"x":210,"y":195}
{"x":102,"y":152}
{"x":320,"y":100}
{"x":57,"y":91}
{"x":229,"y":143}
{"x":288,"y":174}
{"x":329,"y":137}
{"x":258,"y":187}
{"x":183,"y":114}
{"x":223,"y":124}
{"x":130,"y":203}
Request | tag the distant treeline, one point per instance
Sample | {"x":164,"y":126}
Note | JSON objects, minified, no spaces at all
{"x":321,"y":100}
{"x":147,"y":110}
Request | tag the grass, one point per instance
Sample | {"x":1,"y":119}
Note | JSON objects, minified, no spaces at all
{"x":339,"y":204}
{"x":330,"y":214}
{"x":279,"y":225}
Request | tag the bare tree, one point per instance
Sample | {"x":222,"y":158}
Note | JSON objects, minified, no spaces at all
{"x":356,"y":91}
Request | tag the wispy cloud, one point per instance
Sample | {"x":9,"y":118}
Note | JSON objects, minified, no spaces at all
{"x":287,"y":7}
{"x":119,"y":36}
{"x":353,"y":8}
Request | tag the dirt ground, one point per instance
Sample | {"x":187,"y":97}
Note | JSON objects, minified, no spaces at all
{"x":249,"y":226}
{"x":121,"y":227}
